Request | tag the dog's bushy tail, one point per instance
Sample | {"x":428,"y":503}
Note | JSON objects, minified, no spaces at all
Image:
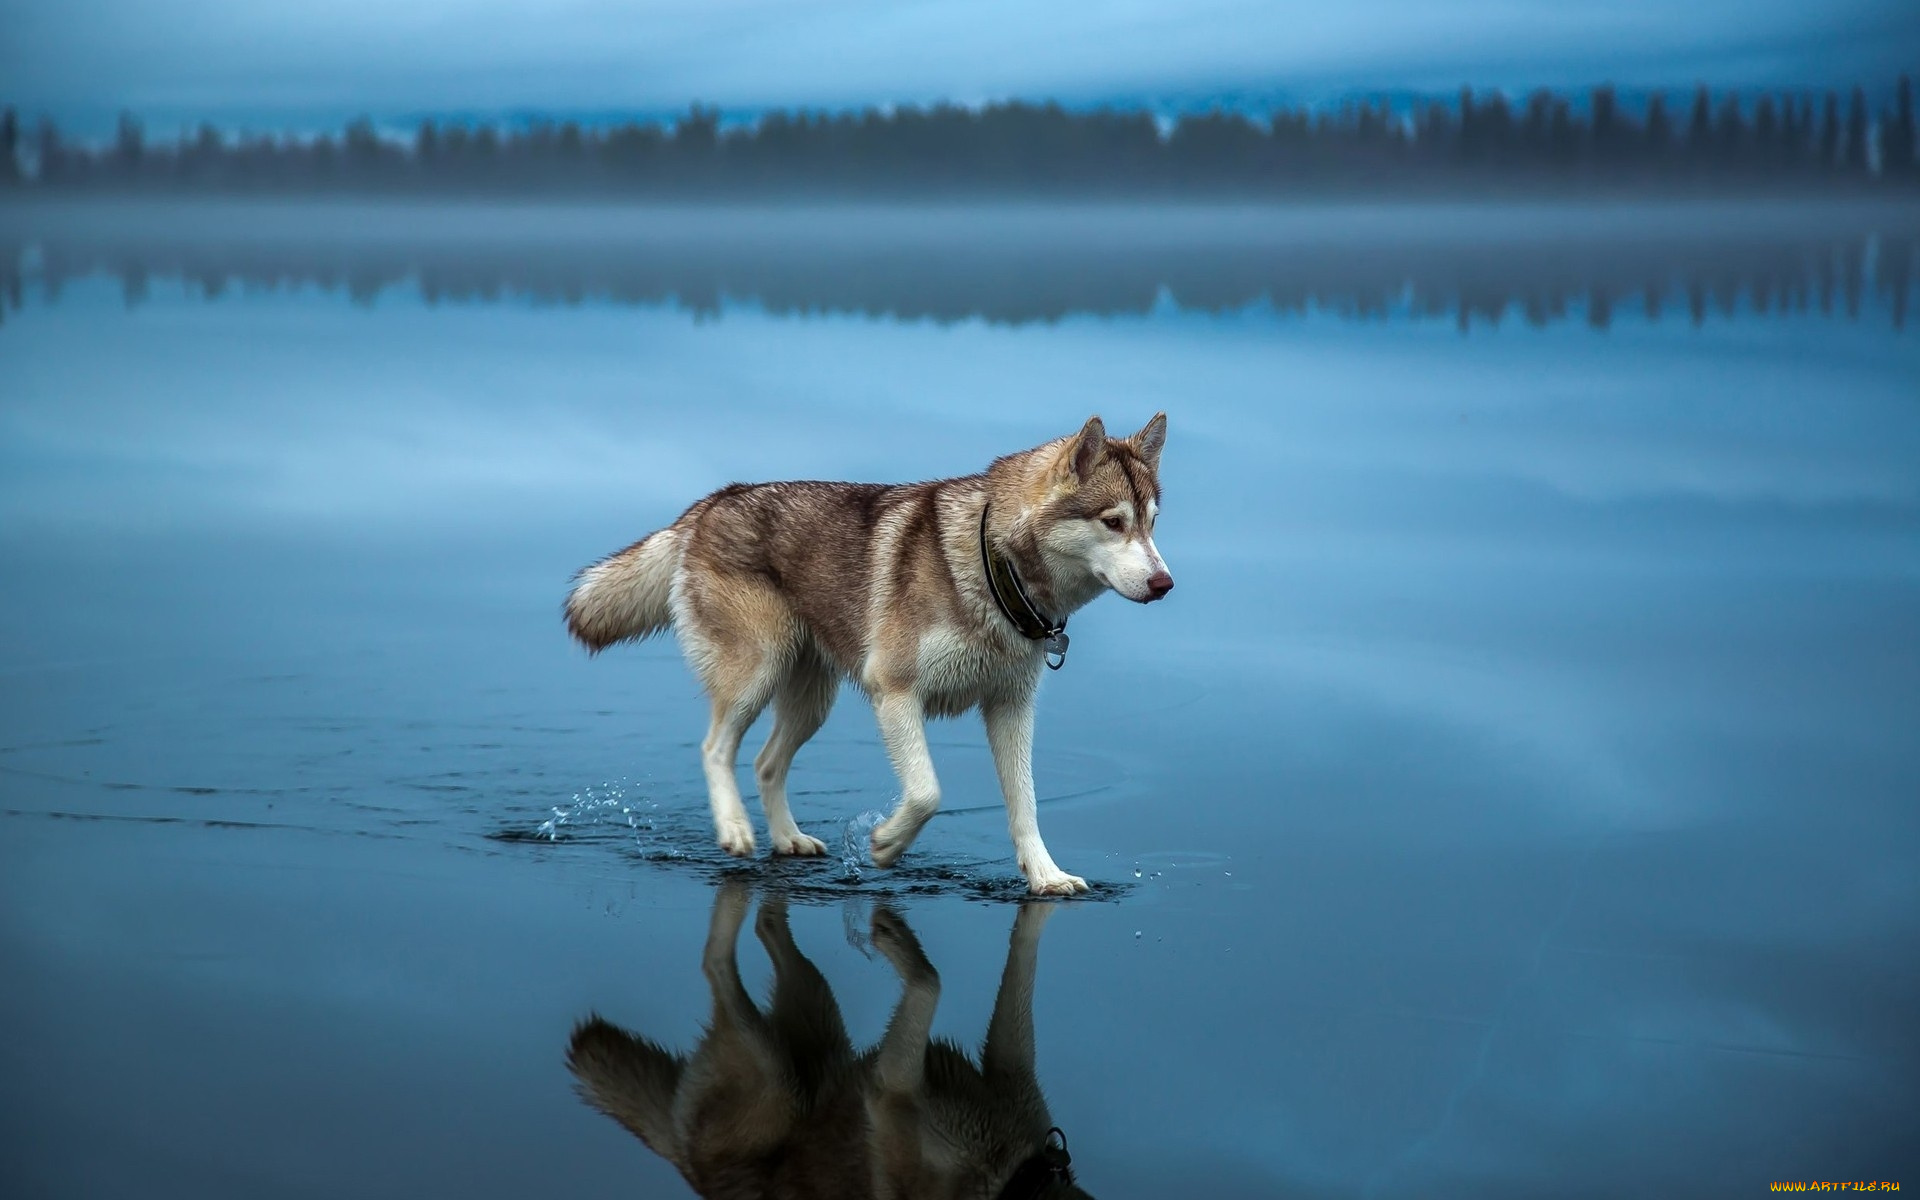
{"x":625,"y":596}
{"x":630,"y":1079}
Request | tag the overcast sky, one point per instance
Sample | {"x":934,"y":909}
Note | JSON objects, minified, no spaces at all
{"x":279,"y":58}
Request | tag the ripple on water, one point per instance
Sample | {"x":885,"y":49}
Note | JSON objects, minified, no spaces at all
{"x":620,"y":817}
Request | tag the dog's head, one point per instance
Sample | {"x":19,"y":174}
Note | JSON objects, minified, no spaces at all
{"x":1105,"y":498}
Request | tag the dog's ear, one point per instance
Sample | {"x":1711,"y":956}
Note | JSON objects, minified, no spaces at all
{"x":1150,"y":440}
{"x":1087,"y":447}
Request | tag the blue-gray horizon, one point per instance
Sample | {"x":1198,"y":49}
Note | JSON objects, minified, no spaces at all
{"x":304,"y":63}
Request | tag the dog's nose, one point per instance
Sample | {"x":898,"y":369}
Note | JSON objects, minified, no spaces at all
{"x":1159,"y":585}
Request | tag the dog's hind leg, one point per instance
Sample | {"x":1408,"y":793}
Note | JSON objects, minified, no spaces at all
{"x":801,"y":703}
{"x":732,"y":714}
{"x":739,"y":1068}
{"x":719,"y":962}
{"x":804,"y":1019}
{"x":741,"y":639}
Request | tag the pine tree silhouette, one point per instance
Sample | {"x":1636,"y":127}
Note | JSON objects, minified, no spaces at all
{"x":1659,"y":131}
{"x":1730,"y":133}
{"x":129,"y":146}
{"x":51,"y":154}
{"x":1700,"y":127}
{"x":1896,"y":135}
{"x":426,"y":147}
{"x":1855,"y":150}
{"x":1793,"y":132}
{"x":9,"y":147}
{"x":1766,"y":135}
{"x":1023,"y":147}
{"x":1604,"y":112}
{"x":1469,"y":127}
{"x":1829,"y":156}
{"x":1563,"y":133}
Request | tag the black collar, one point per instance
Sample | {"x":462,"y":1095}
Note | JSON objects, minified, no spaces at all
{"x":1003,"y":583}
{"x":1048,"y":1166}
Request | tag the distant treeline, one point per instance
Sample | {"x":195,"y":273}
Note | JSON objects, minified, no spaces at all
{"x":1787,"y":141}
{"x":1111,"y":264}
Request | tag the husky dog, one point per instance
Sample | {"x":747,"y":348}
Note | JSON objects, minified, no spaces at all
{"x":933,"y":598}
{"x":778,"y":1103}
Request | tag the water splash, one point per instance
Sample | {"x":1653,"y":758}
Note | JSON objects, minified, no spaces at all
{"x":606,"y":804}
{"x":854,"y":921}
{"x":856,"y":843}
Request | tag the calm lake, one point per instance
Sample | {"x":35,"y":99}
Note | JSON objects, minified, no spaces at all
{"x":1516,"y":796}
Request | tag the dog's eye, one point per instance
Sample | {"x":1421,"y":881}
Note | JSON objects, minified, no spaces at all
{"x":1114,"y":523}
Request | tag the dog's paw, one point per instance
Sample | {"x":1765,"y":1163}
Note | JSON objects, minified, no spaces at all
{"x":885,"y":851}
{"x":798,"y":844}
{"x":1055,"y":883}
{"x":894,"y":939}
{"x":771,"y":922}
{"x":730,"y":905}
{"x":736,"y":837}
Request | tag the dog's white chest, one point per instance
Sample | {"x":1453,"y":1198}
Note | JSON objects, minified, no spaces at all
{"x":957,"y":671}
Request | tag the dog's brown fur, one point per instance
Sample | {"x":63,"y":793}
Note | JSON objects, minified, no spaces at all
{"x":781,"y":590}
{"x":776,"y":1104}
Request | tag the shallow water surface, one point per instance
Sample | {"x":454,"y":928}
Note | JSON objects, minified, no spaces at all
{"x":1514,"y":798}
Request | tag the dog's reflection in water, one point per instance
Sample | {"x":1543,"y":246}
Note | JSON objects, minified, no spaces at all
{"x":779,"y":1103}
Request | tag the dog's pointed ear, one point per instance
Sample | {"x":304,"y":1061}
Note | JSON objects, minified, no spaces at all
{"x":1087,"y":447}
{"x":1083,"y":452}
{"x":1150,"y":440}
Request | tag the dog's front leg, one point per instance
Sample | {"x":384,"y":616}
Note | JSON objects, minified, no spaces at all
{"x":1010,"y":733}
{"x":897,"y":1101}
{"x":1008,"y":1053}
{"x":903,"y":727}
{"x":901,"y":1062}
